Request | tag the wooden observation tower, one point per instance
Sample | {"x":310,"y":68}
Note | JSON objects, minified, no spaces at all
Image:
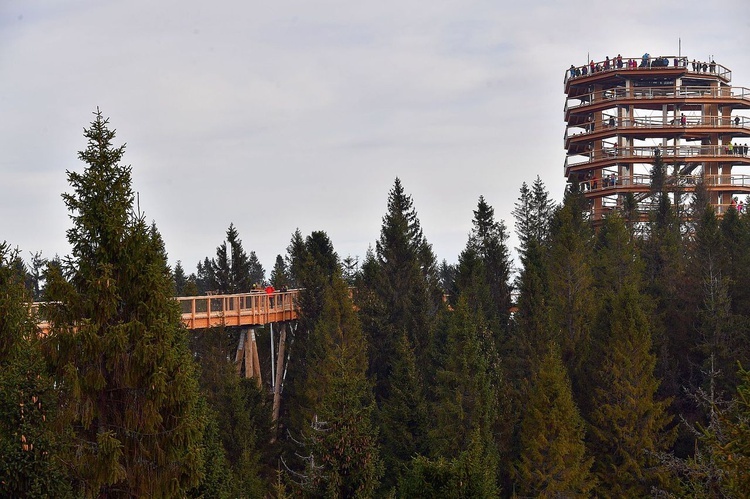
{"x":621,"y":114}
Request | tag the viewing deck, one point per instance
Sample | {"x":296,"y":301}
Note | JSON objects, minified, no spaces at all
{"x":624,"y":115}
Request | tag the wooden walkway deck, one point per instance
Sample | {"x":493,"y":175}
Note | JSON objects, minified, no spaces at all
{"x":243,"y":309}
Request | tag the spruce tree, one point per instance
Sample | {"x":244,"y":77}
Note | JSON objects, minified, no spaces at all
{"x":727,"y":442}
{"x":464,"y":399}
{"x":31,"y":445}
{"x":553,"y":460}
{"x":572,"y":299}
{"x":280,"y":274}
{"x":344,"y":459}
{"x":180,"y":279}
{"x":398,"y":296}
{"x":408,"y":281}
{"x":628,"y":424}
{"x":205,"y":279}
{"x":257,"y":272}
{"x":485,"y":267}
{"x":532,"y":212}
{"x":232,"y":268}
{"x":240,"y":412}
{"x":127,"y":381}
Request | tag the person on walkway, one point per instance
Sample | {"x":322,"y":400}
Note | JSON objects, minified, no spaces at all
{"x":683,"y":119}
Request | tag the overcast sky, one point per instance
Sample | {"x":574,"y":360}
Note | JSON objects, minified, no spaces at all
{"x":279,"y":115}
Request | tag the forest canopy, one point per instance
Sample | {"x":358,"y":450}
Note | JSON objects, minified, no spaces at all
{"x":608,"y":360}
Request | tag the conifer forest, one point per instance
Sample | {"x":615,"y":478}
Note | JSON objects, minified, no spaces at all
{"x":605,"y":361}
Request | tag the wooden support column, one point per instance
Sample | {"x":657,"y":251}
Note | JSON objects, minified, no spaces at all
{"x":248,"y":353}
{"x":256,"y":361}
{"x":279,"y":373}
{"x":240,"y":354}
{"x":246,"y":357}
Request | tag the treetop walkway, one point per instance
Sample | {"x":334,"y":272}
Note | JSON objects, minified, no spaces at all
{"x":252,"y":309}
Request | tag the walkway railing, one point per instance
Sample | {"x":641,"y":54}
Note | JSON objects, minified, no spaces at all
{"x":243,"y":309}
{"x":644,"y":180}
{"x":624,"y":125}
{"x":685,"y":92}
{"x":669,"y":153}
{"x":641,"y":64}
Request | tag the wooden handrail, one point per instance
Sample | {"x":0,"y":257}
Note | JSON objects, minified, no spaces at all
{"x":241,"y":309}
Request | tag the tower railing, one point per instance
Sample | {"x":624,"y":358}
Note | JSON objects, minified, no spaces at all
{"x":644,"y":180}
{"x":648,"y":153}
{"x":640,"y":64}
{"x":623,"y":125}
{"x":683,"y":92}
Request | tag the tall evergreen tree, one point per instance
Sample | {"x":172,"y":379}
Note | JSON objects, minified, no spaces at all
{"x":553,"y":461}
{"x":485,"y":266}
{"x":180,"y":279}
{"x":233,"y":268}
{"x":257,"y":272}
{"x":628,"y":424}
{"x":127,"y":381}
{"x":405,"y":282}
{"x":464,"y":401}
{"x":315,"y":265}
{"x":572,"y":299}
{"x":532,"y":319}
{"x":280,"y":274}
{"x":30,"y":447}
{"x":344,"y":457}
{"x":205,"y":279}
{"x":398,"y":297}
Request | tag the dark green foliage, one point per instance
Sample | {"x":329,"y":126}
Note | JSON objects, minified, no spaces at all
{"x":532,"y":213}
{"x":403,"y":416}
{"x":233,"y":270}
{"x":484,"y":268}
{"x":570,"y":279}
{"x":628,"y":425}
{"x":447,"y":274}
{"x":240,"y":412}
{"x":30,"y":445}
{"x":463,"y":398}
{"x":350,"y":269}
{"x":205,"y":279}
{"x":280,"y":274}
{"x":180,"y":280}
{"x":257,"y":272}
{"x":35,"y":275}
{"x":407,"y":282}
{"x":344,"y":457}
{"x":553,"y":460}
{"x":470,"y":475}
{"x":727,"y":441}
{"x":126,"y":379}
{"x":399,"y":296}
